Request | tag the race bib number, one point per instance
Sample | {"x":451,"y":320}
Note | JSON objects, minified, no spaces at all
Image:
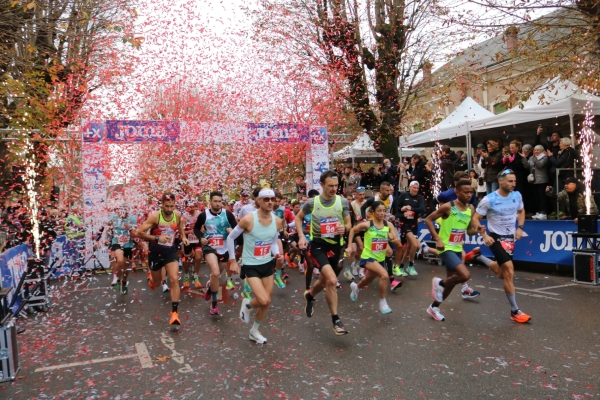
{"x":216,"y":241}
{"x":192,"y":238}
{"x":409,"y":214}
{"x":262,"y":249}
{"x":508,"y":244}
{"x":170,"y":240}
{"x":124,"y":238}
{"x":457,"y":237}
{"x":378,"y":245}
{"x":329,"y":227}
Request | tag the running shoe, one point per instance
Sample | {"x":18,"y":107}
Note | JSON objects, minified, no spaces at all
{"x":301,"y":268}
{"x":435,"y":313}
{"x":117,"y":287}
{"x":411,"y":270}
{"x":316,"y":271}
{"x":247,"y":295}
{"x":362,"y":273}
{"x":214,"y":310}
{"x":280,"y":283}
{"x":165,"y":288}
{"x":469,"y":293}
{"x":284,"y":276}
{"x":354,"y":293}
{"x":255,"y":336}
{"x":519,"y":316}
{"x":247,"y":287}
{"x":230,"y":285}
{"x":124,"y":288}
{"x":207,"y":293}
{"x":437,"y":291}
{"x":308,"y":309}
{"x":115,"y":280}
{"x":339,"y":329}
{"x":402,"y":272}
{"x":396,"y":271}
{"x":424,"y":248}
{"x":174,"y":319}
{"x":186,"y":282}
{"x":348,"y":274}
{"x":338,"y":285}
{"x":470,"y":256}
{"x":383,"y":307}
{"x":396,"y":283}
{"x":150,"y":284}
{"x":245,"y":311}
{"x":354,"y":267}
{"x":197,"y":282}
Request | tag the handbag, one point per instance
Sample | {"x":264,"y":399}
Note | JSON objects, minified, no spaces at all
{"x":531,"y":176}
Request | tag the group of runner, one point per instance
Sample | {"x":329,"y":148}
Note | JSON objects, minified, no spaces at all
{"x":378,"y":236}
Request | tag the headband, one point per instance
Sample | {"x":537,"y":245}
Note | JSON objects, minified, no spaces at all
{"x":266,"y":193}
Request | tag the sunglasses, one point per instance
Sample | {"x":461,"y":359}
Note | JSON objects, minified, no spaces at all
{"x":268,"y":199}
{"x":505,"y":172}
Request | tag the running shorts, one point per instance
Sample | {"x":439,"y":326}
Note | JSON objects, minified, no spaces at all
{"x":406,"y":229}
{"x":323,"y":253}
{"x":192,"y":247}
{"x":503,"y":247}
{"x":451,"y":259}
{"x":258,"y":271}
{"x":222,"y":258}
{"x":127,"y":251}
{"x":158,"y":261}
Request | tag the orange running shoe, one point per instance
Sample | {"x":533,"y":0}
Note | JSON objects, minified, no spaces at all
{"x":472,"y":254}
{"x":520,"y":317}
{"x":186,"y":282}
{"x":293,"y":265}
{"x":150,"y":284}
{"x":174,"y":319}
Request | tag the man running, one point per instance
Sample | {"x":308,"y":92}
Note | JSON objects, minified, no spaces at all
{"x":409,"y":207}
{"x":378,"y":233}
{"x":330,"y":219}
{"x":503,"y":208}
{"x":193,"y":250}
{"x":261,"y":230}
{"x":356,"y":205}
{"x":217,"y":224}
{"x":122,"y":247}
{"x":163,"y":224}
{"x":456,"y":223}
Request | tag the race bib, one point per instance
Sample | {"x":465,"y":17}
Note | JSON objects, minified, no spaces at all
{"x":378,"y":245}
{"x":508,"y":244}
{"x":192,"y":238}
{"x":262,"y":249}
{"x":328,"y":227}
{"x":170,"y":240}
{"x":124,"y":238}
{"x":409,"y":214}
{"x":457,"y":237}
{"x":216,"y":241}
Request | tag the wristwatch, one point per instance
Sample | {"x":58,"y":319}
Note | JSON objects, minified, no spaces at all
{"x":522,"y":227}
{"x":156,"y":238}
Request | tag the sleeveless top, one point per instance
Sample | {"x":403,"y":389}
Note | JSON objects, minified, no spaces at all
{"x":257,"y":242}
{"x":121,"y":235}
{"x":215,"y":230}
{"x":376,"y":241}
{"x":454,"y":228}
{"x":165,"y":227}
{"x":325,"y":220}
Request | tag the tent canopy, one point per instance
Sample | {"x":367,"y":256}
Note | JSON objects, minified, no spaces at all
{"x":362,"y":147}
{"x":454,"y":125}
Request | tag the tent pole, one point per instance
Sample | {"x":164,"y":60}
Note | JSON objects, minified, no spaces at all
{"x":469,"y":149}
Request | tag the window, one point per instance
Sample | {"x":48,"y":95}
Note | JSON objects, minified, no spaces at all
{"x":499,"y":108}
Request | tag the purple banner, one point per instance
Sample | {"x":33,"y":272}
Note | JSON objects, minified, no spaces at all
{"x":142,"y":131}
{"x":279,"y":133}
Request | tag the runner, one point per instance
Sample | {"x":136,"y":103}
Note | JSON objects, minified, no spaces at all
{"x":310,"y":265}
{"x":237,"y":207}
{"x":378,"y":232}
{"x":456,"y":223}
{"x":193,"y":250}
{"x":282,"y":241}
{"x":409,"y":207}
{"x":502,"y":209}
{"x":356,"y":205}
{"x":326,"y":231}
{"x":261,"y":230}
{"x":217,"y":224}
{"x":289,"y":218}
{"x":163,"y":251}
{"x":122,"y":247}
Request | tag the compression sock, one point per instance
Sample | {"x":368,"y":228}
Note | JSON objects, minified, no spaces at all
{"x":334,"y":318}
{"x":512,"y":301}
{"x":175,"y":306}
{"x":214,"y":298}
{"x":255,"y":326}
{"x":278,"y":274}
{"x":486,"y":261}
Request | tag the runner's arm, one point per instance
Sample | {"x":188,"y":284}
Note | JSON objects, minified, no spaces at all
{"x":442,"y":212}
{"x":234,"y":234}
{"x":231,"y":219}
{"x":199,"y":224}
{"x":420,"y":210}
{"x":149,"y":224}
{"x":471,"y":229}
{"x":275,"y":245}
{"x":299,"y":219}
{"x":365,"y":205}
{"x":181,"y":229}
{"x":363,"y":226}
{"x":392,"y":236}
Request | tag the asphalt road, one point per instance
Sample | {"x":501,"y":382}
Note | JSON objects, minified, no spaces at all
{"x":478,"y":352}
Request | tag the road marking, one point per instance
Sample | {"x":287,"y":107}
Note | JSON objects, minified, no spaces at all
{"x":142,"y":354}
{"x":85,"y":290}
{"x":535,"y":294}
{"x":557,"y":287}
{"x":537,"y":291}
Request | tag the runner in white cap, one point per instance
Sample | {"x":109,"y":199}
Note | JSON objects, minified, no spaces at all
{"x":261,"y":251}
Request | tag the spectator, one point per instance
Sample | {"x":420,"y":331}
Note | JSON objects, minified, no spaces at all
{"x":447,"y":164}
{"x":553,"y":146}
{"x":417,"y":169}
{"x":571,"y":200}
{"x":390,"y":174}
{"x":403,"y":174}
{"x":479,"y":184}
{"x":565,"y":158}
{"x":528,"y":194}
{"x":513,"y":160}
{"x":538,"y":181}
{"x":461,"y":164}
{"x":478,"y":160}
{"x":353,"y":181}
{"x":492,"y":163}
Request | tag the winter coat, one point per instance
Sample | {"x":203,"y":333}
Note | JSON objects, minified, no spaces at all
{"x":539,"y":168}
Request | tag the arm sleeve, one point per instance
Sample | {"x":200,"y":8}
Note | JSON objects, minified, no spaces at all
{"x":231,"y":219}
{"x":274,"y":244}
{"x":235,"y":233}
{"x":198,"y":225}
{"x":365,"y":205}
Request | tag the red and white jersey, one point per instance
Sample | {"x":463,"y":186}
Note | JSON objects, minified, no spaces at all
{"x":237,"y":207}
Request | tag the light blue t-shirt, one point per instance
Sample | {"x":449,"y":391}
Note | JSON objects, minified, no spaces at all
{"x":501,"y":212}
{"x":121,"y":235}
{"x":306,"y":225}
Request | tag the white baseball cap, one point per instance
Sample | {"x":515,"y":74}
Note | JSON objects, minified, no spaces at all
{"x":414,"y":183}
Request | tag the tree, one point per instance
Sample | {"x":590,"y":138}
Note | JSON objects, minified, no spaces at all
{"x":378,"y":59}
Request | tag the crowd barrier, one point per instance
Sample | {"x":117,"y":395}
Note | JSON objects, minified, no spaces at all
{"x":547,"y":242}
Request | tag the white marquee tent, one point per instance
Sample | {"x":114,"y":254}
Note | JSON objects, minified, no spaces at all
{"x":363,"y":147}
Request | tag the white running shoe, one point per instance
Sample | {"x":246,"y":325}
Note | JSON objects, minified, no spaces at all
{"x":165,"y":288}
{"x":255,"y":336}
{"x":424,"y":248}
{"x":361,"y":273}
{"x":245,"y":311}
{"x":316,"y":271}
{"x":435,"y":313}
{"x":355,"y":290}
{"x":354,"y":267}
{"x":437,"y":291}
{"x":383,"y":307}
{"x":115,"y":280}
{"x":301,"y":268}
{"x":348,"y":274}
{"x":542,"y":217}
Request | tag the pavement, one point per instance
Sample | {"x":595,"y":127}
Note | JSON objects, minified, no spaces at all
{"x":94,"y":343}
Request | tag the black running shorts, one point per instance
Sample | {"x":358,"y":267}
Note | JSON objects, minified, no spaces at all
{"x":323,"y":253}
{"x":127,"y":251}
{"x":223,"y":258}
{"x":157,"y":260}
{"x":259,"y":271}
{"x":503,"y":247}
